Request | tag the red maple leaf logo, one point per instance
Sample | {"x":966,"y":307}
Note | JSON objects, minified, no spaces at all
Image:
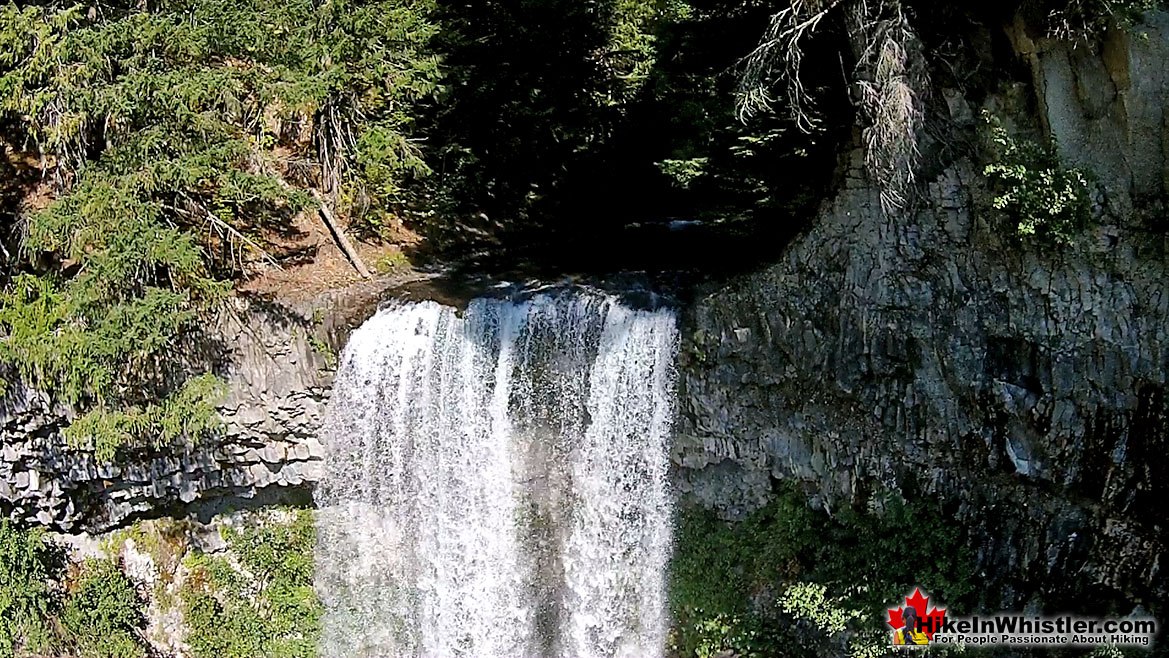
{"x":919,"y":604}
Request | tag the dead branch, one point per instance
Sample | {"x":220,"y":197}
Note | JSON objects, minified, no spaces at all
{"x":780,"y":53}
{"x":339,"y":236}
{"x":223,"y":228}
{"x":890,"y":76}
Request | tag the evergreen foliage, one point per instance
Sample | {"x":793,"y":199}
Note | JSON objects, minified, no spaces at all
{"x":189,"y":412}
{"x":103,"y":616}
{"x":98,"y":616}
{"x":177,"y":134}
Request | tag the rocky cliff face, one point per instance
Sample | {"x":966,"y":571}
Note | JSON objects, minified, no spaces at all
{"x":935,"y":355}
{"x":278,"y":385}
{"x":277,"y":357}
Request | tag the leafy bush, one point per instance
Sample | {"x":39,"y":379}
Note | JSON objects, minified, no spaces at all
{"x":810,"y":601}
{"x":103,"y":616}
{"x":1045,"y":199}
{"x":744,"y":636}
{"x":811,"y":565}
{"x":683,"y":172}
{"x":266,"y":607}
{"x":29,"y":567}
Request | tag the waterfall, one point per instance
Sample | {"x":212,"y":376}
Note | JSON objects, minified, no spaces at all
{"x":497,"y":482}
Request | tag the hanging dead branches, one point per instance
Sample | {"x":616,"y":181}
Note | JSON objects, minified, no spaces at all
{"x":334,"y":140}
{"x":889,"y":76}
{"x":779,"y":58}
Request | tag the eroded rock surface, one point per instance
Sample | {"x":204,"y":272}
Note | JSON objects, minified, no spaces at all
{"x":279,"y":380}
{"x":933,"y":354}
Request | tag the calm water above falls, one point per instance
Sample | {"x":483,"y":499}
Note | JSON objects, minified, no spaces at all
{"x":497,"y":482}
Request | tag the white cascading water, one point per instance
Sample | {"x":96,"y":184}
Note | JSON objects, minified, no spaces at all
{"x":497,"y":482}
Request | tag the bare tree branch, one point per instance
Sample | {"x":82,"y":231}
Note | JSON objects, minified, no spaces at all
{"x":890,"y":75}
{"x":780,"y":55}
{"x":225,"y":230}
{"x":342,"y":241}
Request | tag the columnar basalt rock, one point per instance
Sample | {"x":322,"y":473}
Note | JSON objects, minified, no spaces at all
{"x":935,"y":355}
{"x":278,"y":384}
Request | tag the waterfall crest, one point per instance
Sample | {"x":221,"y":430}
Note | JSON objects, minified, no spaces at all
{"x":497,"y":482}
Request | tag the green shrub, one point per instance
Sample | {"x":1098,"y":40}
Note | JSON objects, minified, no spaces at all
{"x":809,"y":601}
{"x":745,"y":636}
{"x":266,"y":607}
{"x":840,"y":571}
{"x":1045,"y":199}
{"x":100,"y":618}
{"x":321,"y":347}
{"x":683,"y":172}
{"x":29,"y":569}
{"x":103,"y":617}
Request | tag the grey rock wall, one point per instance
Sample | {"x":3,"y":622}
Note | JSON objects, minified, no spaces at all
{"x":278,"y":384}
{"x":934,"y":355}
